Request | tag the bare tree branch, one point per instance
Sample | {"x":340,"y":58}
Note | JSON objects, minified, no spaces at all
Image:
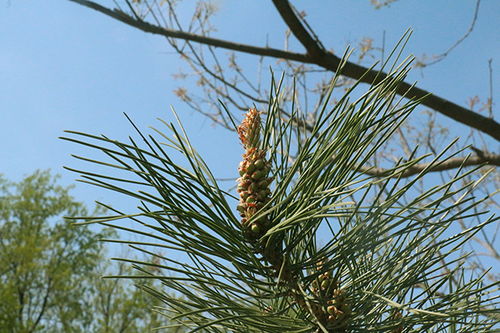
{"x":452,"y":163}
{"x":312,"y":46}
{"x":329,"y":60}
{"x":316,"y":55}
{"x":157,"y":30}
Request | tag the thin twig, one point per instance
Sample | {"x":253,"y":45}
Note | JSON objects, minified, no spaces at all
{"x":490,"y":99}
{"x":443,"y":55}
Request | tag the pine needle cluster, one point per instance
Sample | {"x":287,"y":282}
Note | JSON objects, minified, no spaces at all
{"x":309,"y":243}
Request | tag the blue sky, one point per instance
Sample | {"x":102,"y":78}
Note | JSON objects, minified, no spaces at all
{"x":63,"y":66}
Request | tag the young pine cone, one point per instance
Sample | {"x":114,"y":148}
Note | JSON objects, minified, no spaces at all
{"x":254,"y":181}
{"x":338,"y":310}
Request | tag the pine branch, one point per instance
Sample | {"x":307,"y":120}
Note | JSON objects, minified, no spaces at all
{"x":318,"y":56}
{"x":302,"y":257}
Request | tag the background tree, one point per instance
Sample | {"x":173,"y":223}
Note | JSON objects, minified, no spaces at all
{"x":121,"y":306}
{"x":309,"y":64}
{"x":50,"y":271}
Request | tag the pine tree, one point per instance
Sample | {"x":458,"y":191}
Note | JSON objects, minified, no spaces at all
{"x":311,"y":244}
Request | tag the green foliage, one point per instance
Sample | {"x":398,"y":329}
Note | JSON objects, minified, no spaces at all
{"x":119,"y":306}
{"x":50,"y":270}
{"x":393,"y":264}
{"x":44,"y":261}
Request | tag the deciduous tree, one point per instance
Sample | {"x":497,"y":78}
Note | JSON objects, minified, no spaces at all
{"x":50,"y":270}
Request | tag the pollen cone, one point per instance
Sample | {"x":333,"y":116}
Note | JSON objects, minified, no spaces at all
{"x":254,"y":181}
